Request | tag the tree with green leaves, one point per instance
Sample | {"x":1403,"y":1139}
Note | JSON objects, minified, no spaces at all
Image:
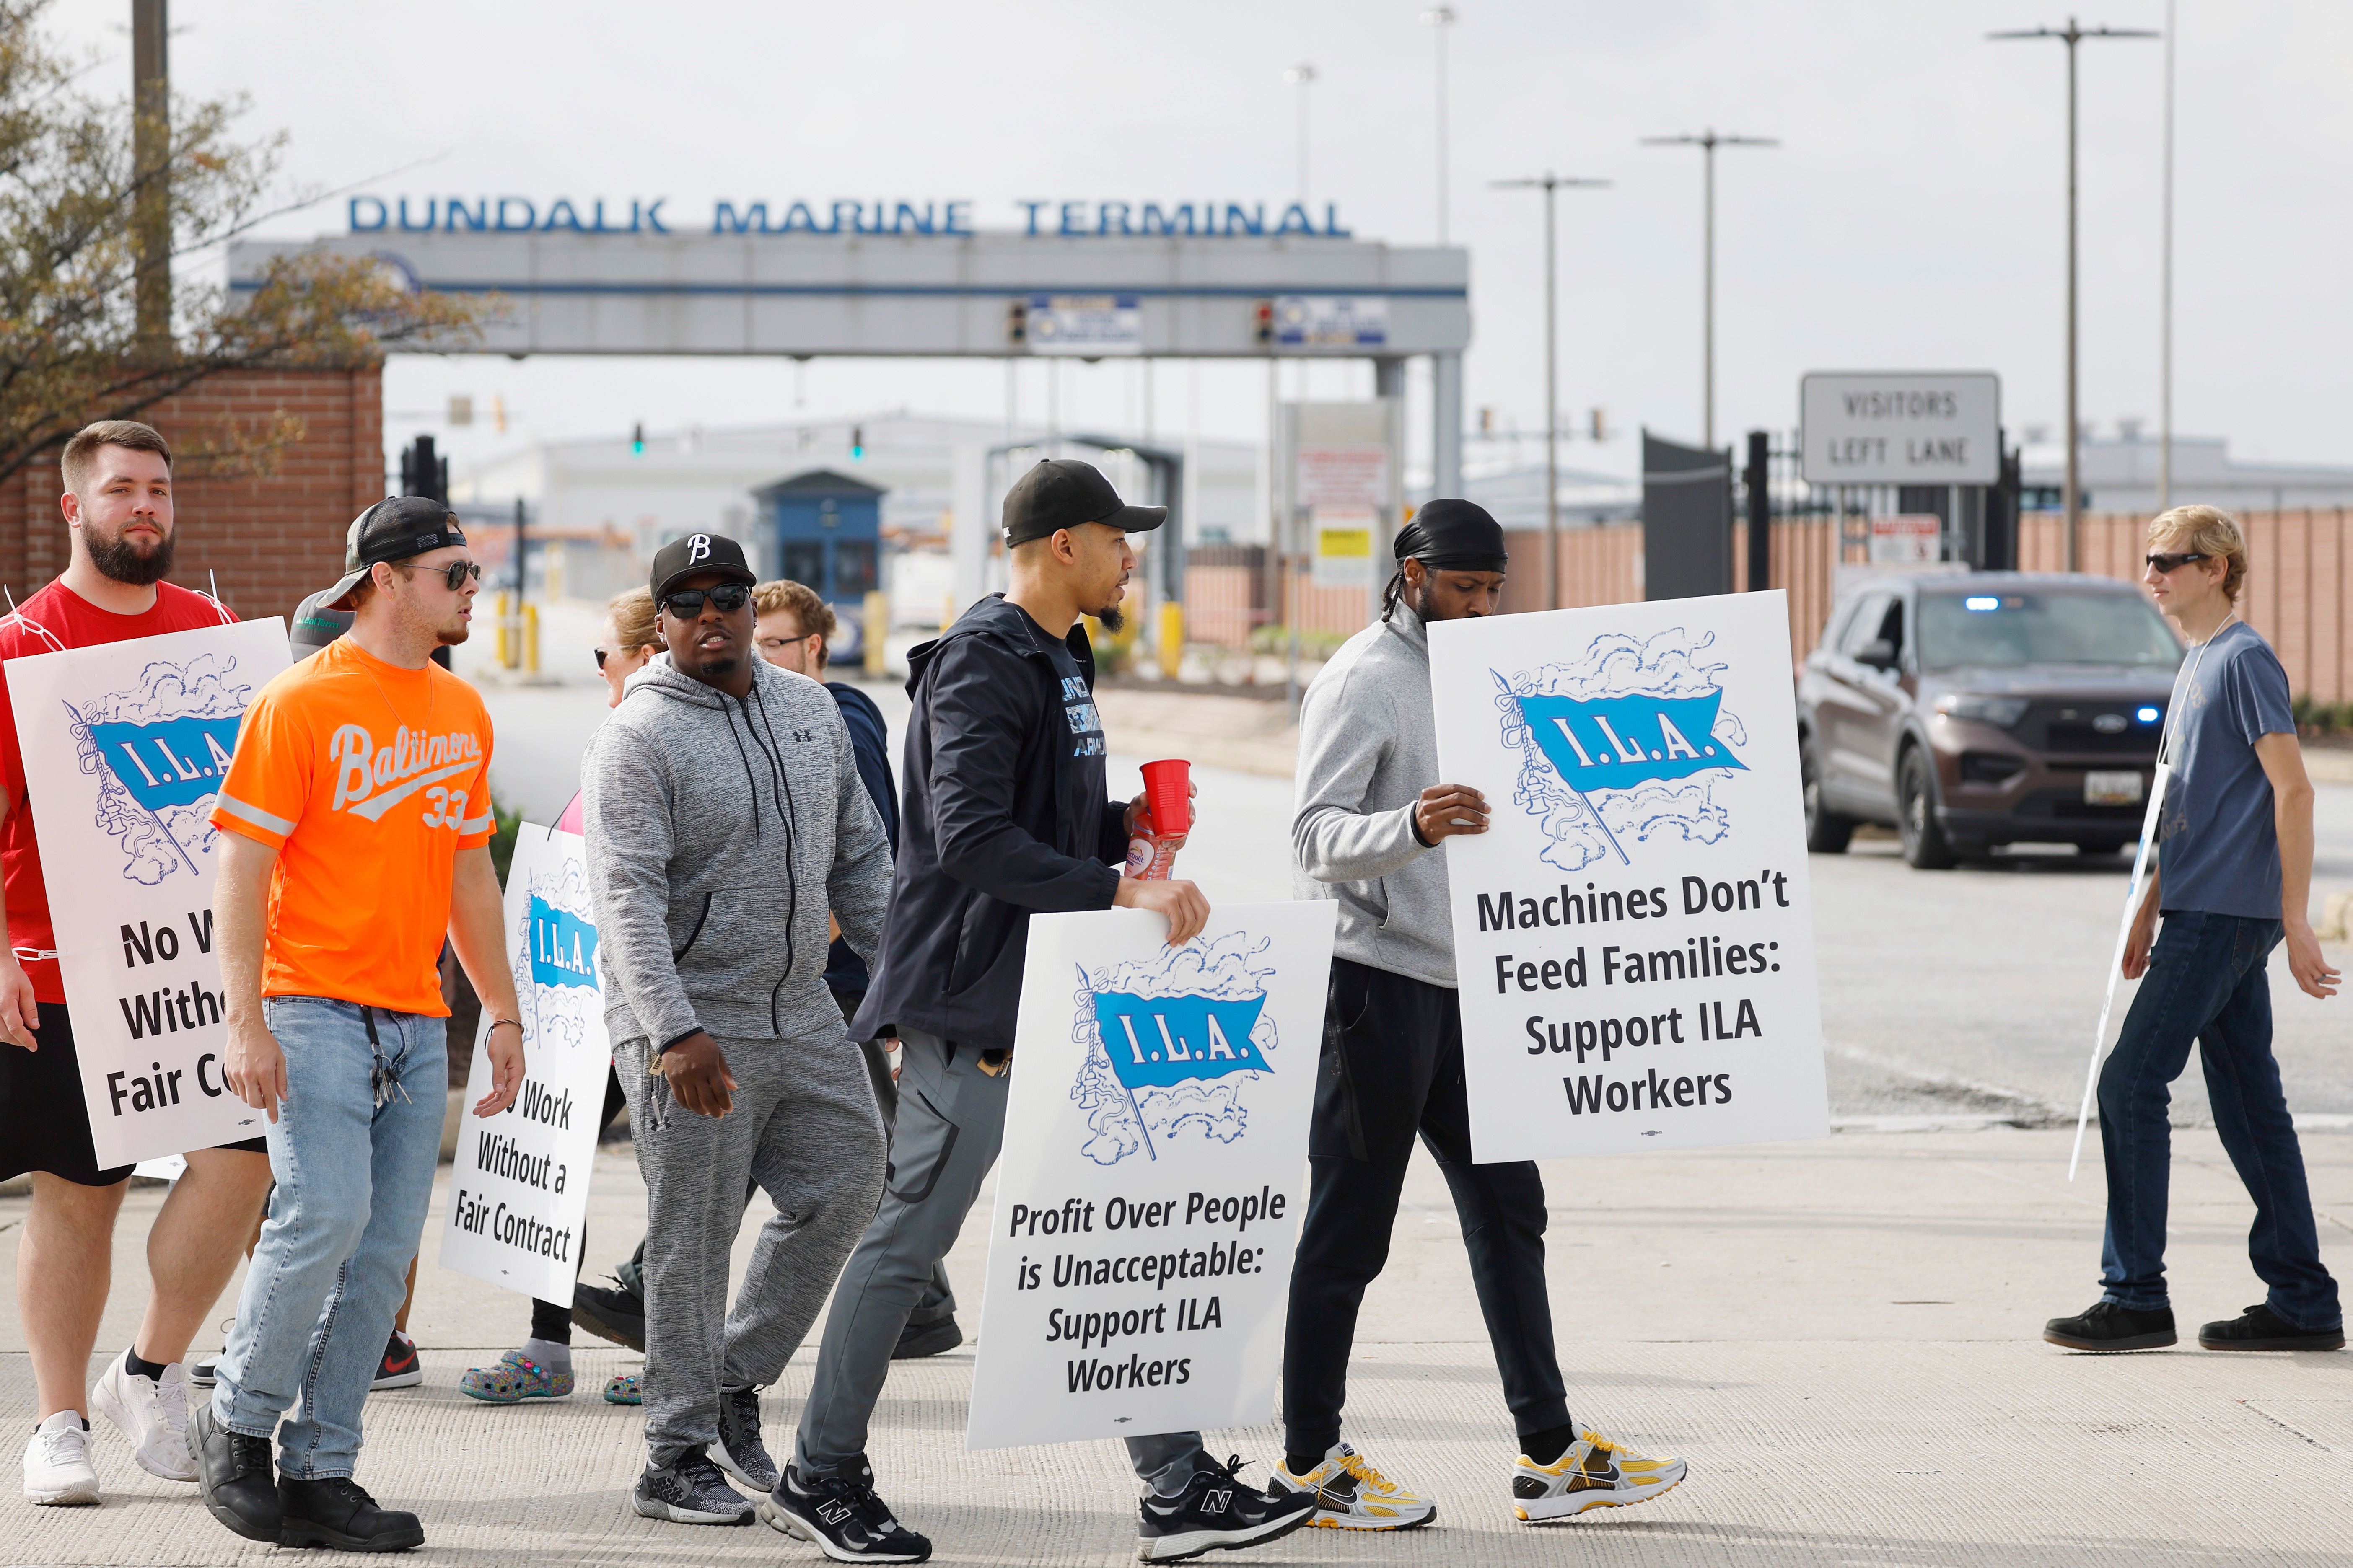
{"x":99,"y":196}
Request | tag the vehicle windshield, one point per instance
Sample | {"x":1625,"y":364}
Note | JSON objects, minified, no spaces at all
{"x":2042,"y":627}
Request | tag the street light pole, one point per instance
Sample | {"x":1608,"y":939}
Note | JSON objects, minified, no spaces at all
{"x":2165,"y":321}
{"x":1708,"y":142}
{"x":1548,"y":183}
{"x":1302,"y":75}
{"x":1438,"y":18}
{"x":2072,"y":496}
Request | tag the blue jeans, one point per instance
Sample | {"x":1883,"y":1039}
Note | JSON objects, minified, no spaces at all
{"x":354,"y":1150}
{"x":2207,"y":982}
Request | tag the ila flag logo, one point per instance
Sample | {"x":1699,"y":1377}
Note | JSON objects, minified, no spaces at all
{"x":563,"y":946}
{"x":1617,"y":743}
{"x":1161,"y":1041}
{"x":1172,"y":1043}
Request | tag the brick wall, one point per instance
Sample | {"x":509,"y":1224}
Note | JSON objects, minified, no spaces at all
{"x":268,"y":541}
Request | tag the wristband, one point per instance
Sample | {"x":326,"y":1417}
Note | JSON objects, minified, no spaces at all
{"x":516,"y":1022}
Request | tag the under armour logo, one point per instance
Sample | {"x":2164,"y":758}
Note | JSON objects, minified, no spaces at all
{"x":804,"y":736}
{"x":697,"y":547}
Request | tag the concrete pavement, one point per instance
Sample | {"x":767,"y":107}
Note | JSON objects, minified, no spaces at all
{"x":1839,"y":1334}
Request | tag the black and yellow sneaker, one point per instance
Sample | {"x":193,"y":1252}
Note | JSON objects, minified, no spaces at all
{"x":1215,"y":1512}
{"x":1592,"y":1472}
{"x":1351,"y":1495}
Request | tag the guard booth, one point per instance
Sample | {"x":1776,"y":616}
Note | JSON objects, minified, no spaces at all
{"x":828,"y":529}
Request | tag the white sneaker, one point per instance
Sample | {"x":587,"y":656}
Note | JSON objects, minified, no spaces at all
{"x":57,"y":1461}
{"x":151,"y":1415}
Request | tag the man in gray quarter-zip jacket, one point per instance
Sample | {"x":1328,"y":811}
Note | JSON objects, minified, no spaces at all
{"x":1367,"y":834}
{"x":726,"y":817}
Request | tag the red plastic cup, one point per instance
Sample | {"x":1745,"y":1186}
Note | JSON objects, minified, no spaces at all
{"x":1169,"y":793}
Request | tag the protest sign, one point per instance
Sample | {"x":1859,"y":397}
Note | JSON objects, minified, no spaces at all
{"x":1148,"y":1196}
{"x":1633,"y":935}
{"x":519,"y":1188}
{"x":125,"y":744}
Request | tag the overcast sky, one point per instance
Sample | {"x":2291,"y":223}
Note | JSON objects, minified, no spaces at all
{"x":1911,"y":217}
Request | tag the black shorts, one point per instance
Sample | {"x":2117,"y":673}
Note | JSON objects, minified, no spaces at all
{"x":45,"y":1122}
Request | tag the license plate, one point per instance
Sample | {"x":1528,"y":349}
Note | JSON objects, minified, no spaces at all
{"x":2112,"y":789}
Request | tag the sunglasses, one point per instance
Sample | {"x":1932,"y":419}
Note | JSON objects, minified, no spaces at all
{"x":457,"y":576}
{"x":2172,"y":562}
{"x":727,"y":596}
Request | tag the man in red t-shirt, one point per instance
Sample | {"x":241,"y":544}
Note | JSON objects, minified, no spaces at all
{"x":117,"y":504}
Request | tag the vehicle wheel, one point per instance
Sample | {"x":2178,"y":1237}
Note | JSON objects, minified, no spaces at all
{"x":1827,"y":832}
{"x":1925,"y":848}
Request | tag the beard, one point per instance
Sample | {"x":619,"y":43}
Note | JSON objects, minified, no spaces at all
{"x":120,"y":560}
{"x":451,"y":637}
{"x":1110,"y":618}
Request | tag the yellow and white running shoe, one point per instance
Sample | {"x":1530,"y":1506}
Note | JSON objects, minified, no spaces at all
{"x":1352,"y":1495}
{"x":1593,"y":1472}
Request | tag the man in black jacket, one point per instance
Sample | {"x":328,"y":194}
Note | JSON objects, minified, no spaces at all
{"x":1006,"y":814}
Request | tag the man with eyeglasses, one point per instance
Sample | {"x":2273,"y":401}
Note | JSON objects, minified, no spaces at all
{"x":725,"y":817}
{"x":2232,"y":878}
{"x":356,"y":824}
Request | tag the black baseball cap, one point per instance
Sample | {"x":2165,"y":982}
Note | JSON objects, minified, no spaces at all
{"x":1062,"y":492}
{"x":393,"y":529}
{"x":699,"y":552}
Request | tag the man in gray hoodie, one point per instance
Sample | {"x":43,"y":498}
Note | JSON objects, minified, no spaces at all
{"x":726,"y":817}
{"x":1366,"y":835}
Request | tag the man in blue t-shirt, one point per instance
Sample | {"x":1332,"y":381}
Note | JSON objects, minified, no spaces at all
{"x":2233,"y":874}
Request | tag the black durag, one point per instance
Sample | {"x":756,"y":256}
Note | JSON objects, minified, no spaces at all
{"x":1446,"y":536}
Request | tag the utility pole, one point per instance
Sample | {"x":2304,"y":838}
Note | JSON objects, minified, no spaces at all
{"x":1438,"y":18}
{"x":2072,"y":495}
{"x":1708,"y":142}
{"x":150,"y":157}
{"x":1302,"y":76}
{"x":2165,"y":289}
{"x":1548,"y":183}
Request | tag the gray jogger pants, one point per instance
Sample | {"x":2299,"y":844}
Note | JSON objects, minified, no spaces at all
{"x":951,"y":1123}
{"x":806,"y":1128}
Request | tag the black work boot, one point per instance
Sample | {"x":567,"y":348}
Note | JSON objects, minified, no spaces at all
{"x":234,"y":1476}
{"x":2261,"y":1329}
{"x":338,"y":1512}
{"x":2111,"y":1326}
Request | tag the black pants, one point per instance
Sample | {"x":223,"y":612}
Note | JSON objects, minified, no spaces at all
{"x":548,"y":1320}
{"x":1392,"y":1069}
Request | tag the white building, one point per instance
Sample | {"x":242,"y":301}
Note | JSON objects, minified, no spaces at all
{"x":2119,"y":474}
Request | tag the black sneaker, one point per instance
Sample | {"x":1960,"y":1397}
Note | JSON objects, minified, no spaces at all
{"x":689,"y":1490}
{"x":1215,"y":1512}
{"x":615,"y":1315}
{"x":2261,"y":1329}
{"x":919,"y":1339}
{"x":2109,"y":1326}
{"x":399,"y":1368}
{"x":234,"y":1476}
{"x":842,"y":1517}
{"x":338,"y":1512}
{"x":204,"y":1373}
{"x":741,"y":1452}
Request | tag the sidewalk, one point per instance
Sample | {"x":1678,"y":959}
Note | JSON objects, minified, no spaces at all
{"x":1839,"y":1335}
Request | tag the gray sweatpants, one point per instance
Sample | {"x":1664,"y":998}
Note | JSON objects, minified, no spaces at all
{"x":951,"y":1124}
{"x":805,"y":1127}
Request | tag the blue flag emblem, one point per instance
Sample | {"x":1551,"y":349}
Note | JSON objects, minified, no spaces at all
{"x":563,"y":947}
{"x":174,"y":762}
{"x":1617,"y":743}
{"x":1157,"y":1042}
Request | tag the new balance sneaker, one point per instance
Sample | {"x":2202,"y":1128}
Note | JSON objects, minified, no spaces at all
{"x":2111,"y":1326}
{"x":842,"y":1517}
{"x":2261,"y":1329}
{"x":740,"y":1452}
{"x":337,"y":1512}
{"x":1351,"y":1495}
{"x":689,"y":1490}
{"x":57,"y":1461}
{"x":152,"y":1414}
{"x":1592,"y":1472}
{"x":399,"y":1368}
{"x":1215,"y":1512}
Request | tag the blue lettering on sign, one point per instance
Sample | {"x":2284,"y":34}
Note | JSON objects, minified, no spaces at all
{"x":1075,"y":219}
{"x":1617,"y":743}
{"x":563,"y":947}
{"x":1157,"y":1042}
{"x":176,"y":762}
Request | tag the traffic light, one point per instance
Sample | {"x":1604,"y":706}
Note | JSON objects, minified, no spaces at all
{"x":1600,"y":418}
{"x":638,"y":439}
{"x":857,"y":443}
{"x":1016,"y":322}
{"x":1262,"y":323}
